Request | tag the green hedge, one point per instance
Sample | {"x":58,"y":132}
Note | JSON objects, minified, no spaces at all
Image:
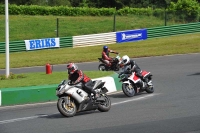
{"x":57,"y":10}
{"x":75,"y":11}
{"x":84,"y":11}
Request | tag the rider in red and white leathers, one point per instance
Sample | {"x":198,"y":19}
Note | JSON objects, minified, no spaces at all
{"x":126,"y":61}
{"x":105,"y":55}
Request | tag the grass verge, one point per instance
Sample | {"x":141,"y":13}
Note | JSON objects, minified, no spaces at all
{"x":180,"y":44}
{"x":23,"y":27}
{"x":40,"y":78}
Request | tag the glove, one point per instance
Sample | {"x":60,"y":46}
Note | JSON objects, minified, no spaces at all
{"x":119,"y":75}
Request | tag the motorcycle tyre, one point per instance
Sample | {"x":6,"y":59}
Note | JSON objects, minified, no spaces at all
{"x":124,"y":85}
{"x":150,"y":90}
{"x":117,"y":69}
{"x":61,"y":109}
{"x":103,"y":108}
{"x":102,"y":65}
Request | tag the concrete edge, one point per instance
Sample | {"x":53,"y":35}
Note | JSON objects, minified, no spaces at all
{"x":38,"y":94}
{"x":0,"y":97}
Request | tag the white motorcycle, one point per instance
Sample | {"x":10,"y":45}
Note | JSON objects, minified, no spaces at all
{"x":132,"y":84}
{"x":73,"y":99}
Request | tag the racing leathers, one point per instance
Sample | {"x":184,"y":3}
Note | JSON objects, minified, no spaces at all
{"x":78,"y":76}
{"x":106,"y":58}
{"x":135,"y":68}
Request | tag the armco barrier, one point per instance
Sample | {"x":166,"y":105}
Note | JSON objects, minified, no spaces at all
{"x":19,"y":46}
{"x":173,"y":30}
{"x":94,"y":39}
{"x":38,"y":94}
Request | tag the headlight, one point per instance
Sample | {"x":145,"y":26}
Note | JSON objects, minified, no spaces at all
{"x":61,"y":90}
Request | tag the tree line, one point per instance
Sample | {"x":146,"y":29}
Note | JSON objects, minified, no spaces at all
{"x":118,"y":4}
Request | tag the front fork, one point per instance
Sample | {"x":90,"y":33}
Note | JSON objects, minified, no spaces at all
{"x":67,"y":100}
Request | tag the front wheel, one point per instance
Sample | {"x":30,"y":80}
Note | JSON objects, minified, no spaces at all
{"x":102,"y":67}
{"x":128,"y":90}
{"x":67,"y":110}
{"x":150,"y":88}
{"x":106,"y":105}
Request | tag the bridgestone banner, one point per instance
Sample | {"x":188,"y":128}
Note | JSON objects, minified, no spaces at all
{"x":42,"y":43}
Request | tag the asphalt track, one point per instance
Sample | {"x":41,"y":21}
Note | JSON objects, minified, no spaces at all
{"x":173,"y":108}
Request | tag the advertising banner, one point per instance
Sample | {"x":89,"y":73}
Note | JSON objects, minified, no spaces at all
{"x":110,"y":83}
{"x":131,"y":35}
{"x":42,"y":43}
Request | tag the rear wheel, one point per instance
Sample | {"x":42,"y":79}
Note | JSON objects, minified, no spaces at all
{"x":106,"y":105}
{"x":67,"y":110}
{"x":102,"y":67}
{"x":128,"y":90}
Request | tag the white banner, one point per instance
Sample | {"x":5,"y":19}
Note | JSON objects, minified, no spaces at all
{"x":110,"y":83}
{"x":42,"y":43}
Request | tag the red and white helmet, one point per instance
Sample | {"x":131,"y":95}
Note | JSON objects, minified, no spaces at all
{"x":71,"y":67}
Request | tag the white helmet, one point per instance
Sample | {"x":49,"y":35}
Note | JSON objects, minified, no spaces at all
{"x":125,"y":59}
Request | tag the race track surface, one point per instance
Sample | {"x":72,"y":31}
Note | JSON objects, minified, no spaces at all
{"x":174,"y":107}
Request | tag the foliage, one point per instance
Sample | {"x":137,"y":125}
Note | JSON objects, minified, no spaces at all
{"x":118,"y":4}
{"x":185,"y":9}
{"x":56,"y":10}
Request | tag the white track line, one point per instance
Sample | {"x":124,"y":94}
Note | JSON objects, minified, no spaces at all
{"x":39,"y":116}
{"x":135,"y":99}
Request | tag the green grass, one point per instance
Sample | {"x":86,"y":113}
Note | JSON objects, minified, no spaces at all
{"x":37,"y":27}
{"x":31,"y":27}
{"x":40,"y":78}
{"x":182,"y":44}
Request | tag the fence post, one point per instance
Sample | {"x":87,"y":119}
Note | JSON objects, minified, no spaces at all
{"x":165,"y":17}
{"x":114,"y":22}
{"x":57,"y":28}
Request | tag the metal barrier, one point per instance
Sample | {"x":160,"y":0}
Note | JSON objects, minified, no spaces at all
{"x":94,"y":39}
{"x":173,"y":30}
{"x":66,"y":42}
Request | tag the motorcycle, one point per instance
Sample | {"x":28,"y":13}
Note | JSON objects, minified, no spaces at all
{"x":132,"y":83}
{"x":114,"y":64}
{"x":73,"y":99}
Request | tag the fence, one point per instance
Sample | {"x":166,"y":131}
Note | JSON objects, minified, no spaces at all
{"x":62,"y":26}
{"x":109,"y":38}
{"x":173,"y":30}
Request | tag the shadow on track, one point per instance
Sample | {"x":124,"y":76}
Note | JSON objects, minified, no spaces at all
{"x":122,"y":95}
{"x":58,"y":115}
{"x":195,"y":74}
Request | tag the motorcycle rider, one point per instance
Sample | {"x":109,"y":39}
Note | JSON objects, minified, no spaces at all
{"x":76,"y":76}
{"x":126,"y":61}
{"x":105,"y":55}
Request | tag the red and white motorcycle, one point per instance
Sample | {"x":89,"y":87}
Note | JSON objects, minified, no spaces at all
{"x":132,"y":84}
